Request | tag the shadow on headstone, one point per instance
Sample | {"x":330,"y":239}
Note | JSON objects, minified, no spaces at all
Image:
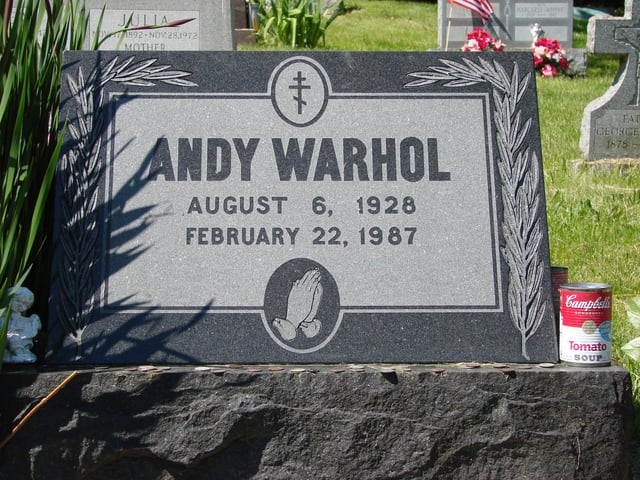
{"x":83,"y":179}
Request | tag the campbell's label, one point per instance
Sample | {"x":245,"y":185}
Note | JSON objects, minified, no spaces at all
{"x":585,"y":324}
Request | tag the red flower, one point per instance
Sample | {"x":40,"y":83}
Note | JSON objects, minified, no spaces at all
{"x":564,"y":63}
{"x":549,"y":58}
{"x":479,"y":41}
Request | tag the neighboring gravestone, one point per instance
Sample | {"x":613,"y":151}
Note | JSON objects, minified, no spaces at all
{"x":555,"y":17}
{"x":286,"y":207}
{"x":211,"y":27}
{"x":611,"y":123}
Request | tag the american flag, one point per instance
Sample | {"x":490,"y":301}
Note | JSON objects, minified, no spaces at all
{"x":481,"y":7}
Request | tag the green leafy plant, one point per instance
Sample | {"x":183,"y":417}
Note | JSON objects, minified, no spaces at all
{"x":31,"y":47}
{"x":294,"y":23}
{"x":632,"y":348}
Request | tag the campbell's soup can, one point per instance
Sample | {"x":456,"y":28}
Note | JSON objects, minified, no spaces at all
{"x":585,"y":324}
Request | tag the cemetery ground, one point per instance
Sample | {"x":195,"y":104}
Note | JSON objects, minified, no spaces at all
{"x":593,"y":212}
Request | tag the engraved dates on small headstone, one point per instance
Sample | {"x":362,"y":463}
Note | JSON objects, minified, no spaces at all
{"x":201,"y":25}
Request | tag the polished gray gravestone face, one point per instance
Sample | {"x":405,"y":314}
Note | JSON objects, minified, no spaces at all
{"x":555,"y":17}
{"x":287,"y":207}
{"x":611,"y":123}
{"x":210,"y":27}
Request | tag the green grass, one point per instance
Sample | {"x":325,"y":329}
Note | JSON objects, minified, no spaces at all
{"x":385,"y":25}
{"x":593,"y":216}
{"x":380,"y":25}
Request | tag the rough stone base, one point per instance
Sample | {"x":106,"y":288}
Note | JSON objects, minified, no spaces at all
{"x":623,"y":166}
{"x":320,"y":422}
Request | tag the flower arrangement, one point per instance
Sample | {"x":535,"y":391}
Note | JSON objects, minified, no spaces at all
{"x":480,"y":41}
{"x":549,"y":58}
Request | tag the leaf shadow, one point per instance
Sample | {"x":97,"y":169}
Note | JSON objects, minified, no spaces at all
{"x":97,"y":231}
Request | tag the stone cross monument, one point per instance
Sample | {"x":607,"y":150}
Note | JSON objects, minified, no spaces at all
{"x":611,"y":123}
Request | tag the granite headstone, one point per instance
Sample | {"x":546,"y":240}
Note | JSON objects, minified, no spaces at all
{"x":555,"y":17}
{"x":211,"y":26}
{"x":611,"y":123}
{"x":316,"y":207}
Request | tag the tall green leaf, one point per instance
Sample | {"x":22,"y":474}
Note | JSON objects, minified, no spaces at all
{"x":30,"y":66}
{"x":293,"y":23}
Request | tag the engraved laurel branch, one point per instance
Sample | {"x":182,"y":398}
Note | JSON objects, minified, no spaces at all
{"x":80,"y":170}
{"x":519,"y":174}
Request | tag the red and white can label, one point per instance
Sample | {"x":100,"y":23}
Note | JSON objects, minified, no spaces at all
{"x":585,"y":323}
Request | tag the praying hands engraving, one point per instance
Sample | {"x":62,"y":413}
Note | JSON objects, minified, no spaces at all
{"x":302,"y":307}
